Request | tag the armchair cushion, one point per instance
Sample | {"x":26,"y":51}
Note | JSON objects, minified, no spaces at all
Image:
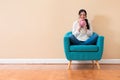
{"x":83,"y":48}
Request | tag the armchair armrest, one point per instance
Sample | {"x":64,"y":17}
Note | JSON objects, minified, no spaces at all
{"x":100,"y":43}
{"x":67,"y":42}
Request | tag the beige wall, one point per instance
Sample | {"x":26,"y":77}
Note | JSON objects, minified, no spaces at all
{"x":35,"y":28}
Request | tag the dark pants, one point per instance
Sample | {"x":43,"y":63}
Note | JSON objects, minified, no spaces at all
{"x":90,"y":41}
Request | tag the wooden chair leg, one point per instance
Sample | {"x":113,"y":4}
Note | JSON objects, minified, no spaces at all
{"x":69,"y":64}
{"x":98,"y":64}
{"x":93,"y":63}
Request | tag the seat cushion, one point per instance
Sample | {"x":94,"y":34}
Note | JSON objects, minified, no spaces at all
{"x":86,"y":48}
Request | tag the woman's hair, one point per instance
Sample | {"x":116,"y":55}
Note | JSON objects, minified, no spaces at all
{"x":83,"y":10}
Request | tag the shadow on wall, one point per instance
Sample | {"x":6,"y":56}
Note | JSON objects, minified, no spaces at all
{"x":102,"y":25}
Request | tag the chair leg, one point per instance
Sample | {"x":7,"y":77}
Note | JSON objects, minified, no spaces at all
{"x":93,"y":63}
{"x":69,"y":64}
{"x":98,"y":64}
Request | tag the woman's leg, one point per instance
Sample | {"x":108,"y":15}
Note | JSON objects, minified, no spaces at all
{"x":91,"y":40}
{"x":74,"y":40}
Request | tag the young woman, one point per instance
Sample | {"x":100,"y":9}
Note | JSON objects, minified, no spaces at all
{"x":82,"y":31}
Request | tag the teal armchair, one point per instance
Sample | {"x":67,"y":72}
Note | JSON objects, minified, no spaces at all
{"x":83,"y":52}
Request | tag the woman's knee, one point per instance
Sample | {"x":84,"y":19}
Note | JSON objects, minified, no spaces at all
{"x":92,"y":39}
{"x":95,"y":35}
{"x":73,"y":39}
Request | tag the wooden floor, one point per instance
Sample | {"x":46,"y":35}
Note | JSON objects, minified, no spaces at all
{"x":58,"y":72}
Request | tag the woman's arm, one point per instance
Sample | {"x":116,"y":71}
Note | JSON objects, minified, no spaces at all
{"x":76,"y":29}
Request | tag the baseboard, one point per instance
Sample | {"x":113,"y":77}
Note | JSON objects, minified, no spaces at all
{"x":54,"y":61}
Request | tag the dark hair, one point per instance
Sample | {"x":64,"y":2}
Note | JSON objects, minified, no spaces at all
{"x":83,"y":10}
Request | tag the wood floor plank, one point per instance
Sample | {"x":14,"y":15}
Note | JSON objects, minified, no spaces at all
{"x":59,"y":72}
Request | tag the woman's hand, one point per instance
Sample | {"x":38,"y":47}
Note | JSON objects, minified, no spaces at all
{"x":85,"y":27}
{"x":79,"y":28}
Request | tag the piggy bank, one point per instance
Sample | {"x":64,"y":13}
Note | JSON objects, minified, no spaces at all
{"x":82,"y":23}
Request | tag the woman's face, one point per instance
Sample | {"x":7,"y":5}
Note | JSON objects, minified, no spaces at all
{"x":82,"y":15}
